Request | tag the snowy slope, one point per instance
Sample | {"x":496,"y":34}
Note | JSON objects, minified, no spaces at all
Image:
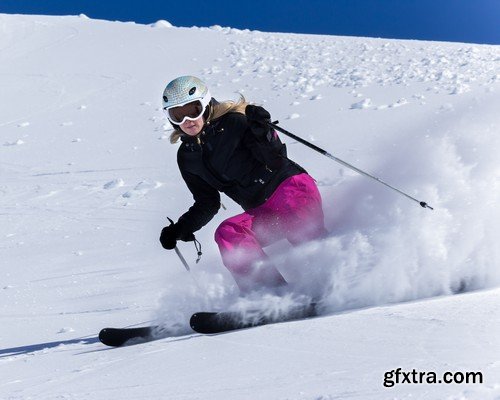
{"x":88,"y":177}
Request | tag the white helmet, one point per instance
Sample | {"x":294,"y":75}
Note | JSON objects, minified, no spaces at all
{"x":185,"y":90}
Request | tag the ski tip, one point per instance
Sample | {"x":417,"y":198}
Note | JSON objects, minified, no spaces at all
{"x":116,"y":337}
{"x":103,"y":332}
{"x":193,"y":321}
{"x":109,"y":337}
{"x":203,"y":322}
{"x":104,"y":337}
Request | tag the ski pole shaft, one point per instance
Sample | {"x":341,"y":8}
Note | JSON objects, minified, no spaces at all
{"x":345,"y":164}
{"x":186,"y":265}
{"x":178,"y":252}
{"x":183,"y":260}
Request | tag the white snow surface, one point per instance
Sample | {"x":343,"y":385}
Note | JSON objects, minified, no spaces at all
{"x":88,"y":178}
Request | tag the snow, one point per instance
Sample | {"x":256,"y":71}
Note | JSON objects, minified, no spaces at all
{"x":88,"y":180}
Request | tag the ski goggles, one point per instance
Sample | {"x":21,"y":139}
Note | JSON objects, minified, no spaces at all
{"x":190,"y":111}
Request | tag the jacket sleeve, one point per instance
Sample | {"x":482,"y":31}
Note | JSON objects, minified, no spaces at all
{"x":206,"y":204}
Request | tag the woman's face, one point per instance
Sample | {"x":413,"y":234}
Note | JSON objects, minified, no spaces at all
{"x":192,"y":128}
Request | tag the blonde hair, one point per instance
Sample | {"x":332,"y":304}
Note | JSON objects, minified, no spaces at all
{"x":216,"y":111}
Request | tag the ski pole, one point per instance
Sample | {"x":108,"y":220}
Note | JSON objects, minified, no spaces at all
{"x":345,"y":164}
{"x":178,"y":252}
{"x":186,"y":265}
{"x":183,"y":260}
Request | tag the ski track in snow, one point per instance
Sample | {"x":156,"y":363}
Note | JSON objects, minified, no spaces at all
{"x":88,"y":178}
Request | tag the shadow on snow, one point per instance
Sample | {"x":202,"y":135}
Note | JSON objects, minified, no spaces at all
{"x":15,"y":351}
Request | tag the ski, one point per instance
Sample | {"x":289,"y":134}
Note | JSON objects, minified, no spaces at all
{"x":117,"y":337}
{"x":224,"y":321}
{"x":208,"y":323}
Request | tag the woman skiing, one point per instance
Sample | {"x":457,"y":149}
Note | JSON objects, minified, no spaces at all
{"x":228,"y":147}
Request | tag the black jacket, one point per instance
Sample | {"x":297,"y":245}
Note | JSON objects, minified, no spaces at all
{"x":227,"y":157}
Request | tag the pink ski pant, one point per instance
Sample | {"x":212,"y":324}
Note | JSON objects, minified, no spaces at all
{"x":294,"y":212}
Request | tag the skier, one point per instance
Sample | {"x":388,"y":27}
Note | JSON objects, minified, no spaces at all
{"x":228,"y":147}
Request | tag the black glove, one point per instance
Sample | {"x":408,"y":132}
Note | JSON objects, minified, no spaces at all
{"x":171,"y":233}
{"x":257,"y":118}
{"x":168,"y":237}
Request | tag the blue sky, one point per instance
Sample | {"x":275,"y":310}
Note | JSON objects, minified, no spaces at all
{"x":471,"y":21}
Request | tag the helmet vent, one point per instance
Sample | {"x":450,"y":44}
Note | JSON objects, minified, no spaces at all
{"x":165,"y":99}
{"x":192,"y":90}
